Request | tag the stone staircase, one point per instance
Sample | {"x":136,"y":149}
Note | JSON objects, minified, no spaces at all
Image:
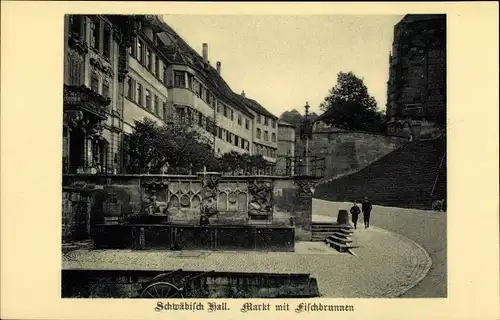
{"x":412,"y":176}
{"x":322,"y":230}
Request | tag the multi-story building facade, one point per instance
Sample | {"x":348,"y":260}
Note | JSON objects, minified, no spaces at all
{"x":417,"y":76}
{"x":120,"y":69}
{"x":286,"y":148}
{"x":198,"y":93}
{"x":94,"y":71}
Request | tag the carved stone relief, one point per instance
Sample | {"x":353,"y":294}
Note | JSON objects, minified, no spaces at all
{"x":233,"y":196}
{"x":261,"y":198}
{"x":77,"y":43}
{"x":210,"y":183}
{"x":155,"y":201}
{"x":306,"y":187}
{"x":185,"y":194}
{"x":102,"y":66}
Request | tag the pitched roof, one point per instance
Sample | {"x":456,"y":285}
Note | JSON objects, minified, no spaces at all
{"x":255,"y":106}
{"x":180,"y":52}
{"x":285,"y":124}
{"x":420,"y":17}
{"x":321,"y":117}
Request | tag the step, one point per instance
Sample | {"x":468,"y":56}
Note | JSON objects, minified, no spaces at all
{"x":330,"y":228}
{"x":336,"y":244}
{"x":341,"y":239}
{"x":329,"y":233}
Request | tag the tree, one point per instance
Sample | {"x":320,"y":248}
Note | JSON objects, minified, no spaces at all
{"x":180,"y":146}
{"x":233,"y":162}
{"x":293,"y":117}
{"x":349,"y":106}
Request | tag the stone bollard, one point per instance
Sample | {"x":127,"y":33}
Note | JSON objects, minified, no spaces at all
{"x":343,"y":217}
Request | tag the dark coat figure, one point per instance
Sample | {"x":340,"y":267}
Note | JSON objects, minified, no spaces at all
{"x":355,"y":211}
{"x":366,"y":207}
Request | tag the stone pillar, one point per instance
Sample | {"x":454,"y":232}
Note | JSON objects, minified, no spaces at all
{"x":210,"y":192}
{"x":303,"y":199}
{"x":343,"y":217}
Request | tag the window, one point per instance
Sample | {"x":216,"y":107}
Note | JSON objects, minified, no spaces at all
{"x":157,"y":105}
{"x":226,"y":111}
{"x":157,"y":66}
{"x":75,"y":69}
{"x":148,"y":99}
{"x":200,"y":120}
{"x":129,"y":88}
{"x":138,"y":94}
{"x":149,"y":60}
{"x":164,"y":111}
{"x":180,"y":113}
{"x":213,"y":101}
{"x":274,"y":137}
{"x":236,"y":140}
{"x":179,"y":80}
{"x":219,"y":129}
{"x":139,"y":51}
{"x":94,"y":82}
{"x":165,"y":75}
{"x":94,"y":33}
{"x":259,"y":133}
{"x":200,"y":90}
{"x":247,"y":124}
{"x":242,"y":143}
{"x":240,"y":120}
{"x":133,"y":48}
{"x":218,"y":107}
{"x":76,"y":23}
{"x":190,"y":81}
{"x":210,"y":126}
{"x":266,"y":135}
{"x":232,"y":115}
{"x":274,"y":124}
{"x":105,"y":89}
{"x":266,"y":121}
{"x":106,"y":39}
{"x":258,"y":118}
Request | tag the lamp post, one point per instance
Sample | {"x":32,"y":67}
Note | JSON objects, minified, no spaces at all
{"x":306,"y":135}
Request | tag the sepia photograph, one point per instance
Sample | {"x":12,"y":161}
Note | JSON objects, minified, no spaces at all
{"x":233,"y":156}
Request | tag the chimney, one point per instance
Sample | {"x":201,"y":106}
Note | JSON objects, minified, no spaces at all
{"x":218,"y":67}
{"x":243,"y":93}
{"x":205,"y":53}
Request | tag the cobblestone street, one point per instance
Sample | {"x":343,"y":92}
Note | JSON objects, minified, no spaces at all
{"x":426,"y":228}
{"x":385,"y":264}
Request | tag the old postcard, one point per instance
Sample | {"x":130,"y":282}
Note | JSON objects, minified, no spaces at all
{"x":269,"y":163}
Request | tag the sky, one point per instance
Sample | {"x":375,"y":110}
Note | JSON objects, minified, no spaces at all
{"x":284,"y":61}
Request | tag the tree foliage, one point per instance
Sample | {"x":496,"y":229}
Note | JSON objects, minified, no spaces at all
{"x":178,"y":146}
{"x":242,"y":163}
{"x":349,"y":105}
{"x":294,"y":117}
{"x":182,"y":149}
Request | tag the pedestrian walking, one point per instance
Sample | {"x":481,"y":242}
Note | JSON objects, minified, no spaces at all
{"x":366,"y":207}
{"x":355,"y":211}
